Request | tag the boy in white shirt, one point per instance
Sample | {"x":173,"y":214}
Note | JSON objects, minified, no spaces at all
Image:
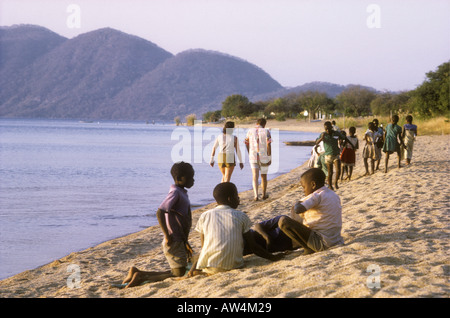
{"x":223,"y":231}
{"x":321,"y":223}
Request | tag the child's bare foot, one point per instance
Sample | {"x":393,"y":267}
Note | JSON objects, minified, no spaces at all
{"x":130,"y":274}
{"x":307,"y":251}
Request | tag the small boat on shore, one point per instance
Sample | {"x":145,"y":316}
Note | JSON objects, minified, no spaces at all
{"x":300,"y":143}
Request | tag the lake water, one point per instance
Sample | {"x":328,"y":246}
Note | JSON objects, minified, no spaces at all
{"x":68,"y":185}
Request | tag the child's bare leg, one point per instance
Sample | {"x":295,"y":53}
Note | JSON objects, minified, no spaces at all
{"x":130,"y":274}
{"x":337,"y":165}
{"x":386,"y":161}
{"x":366,"y":166}
{"x":372,"y":165}
{"x":140,"y":276}
{"x":350,"y":171}
{"x":296,"y":231}
{"x":330,"y":175}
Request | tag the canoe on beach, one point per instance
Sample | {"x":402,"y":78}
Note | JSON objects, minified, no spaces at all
{"x":300,"y":143}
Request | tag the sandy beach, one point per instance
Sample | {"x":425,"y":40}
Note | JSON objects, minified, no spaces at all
{"x":395,"y":228}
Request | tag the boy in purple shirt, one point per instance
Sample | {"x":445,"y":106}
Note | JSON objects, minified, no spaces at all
{"x":174,"y":217}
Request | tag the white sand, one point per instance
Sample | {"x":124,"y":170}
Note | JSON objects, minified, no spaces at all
{"x":397,"y":223}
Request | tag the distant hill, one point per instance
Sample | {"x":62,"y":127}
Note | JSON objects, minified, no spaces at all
{"x":108,"y":74}
{"x":75,"y":77}
{"x":193,"y":81}
{"x":332,"y":90}
{"x":20,"y":46}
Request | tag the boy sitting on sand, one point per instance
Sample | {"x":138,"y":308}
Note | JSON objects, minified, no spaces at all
{"x":174,"y":217}
{"x":322,"y":215}
{"x":223,"y":231}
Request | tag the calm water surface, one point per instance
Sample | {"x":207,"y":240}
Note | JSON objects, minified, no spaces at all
{"x":66,"y":185}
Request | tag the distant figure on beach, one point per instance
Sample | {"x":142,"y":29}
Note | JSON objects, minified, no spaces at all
{"x":409,"y":136}
{"x":321,"y":211}
{"x":223,"y":231}
{"x":228,"y":144}
{"x":258,"y":143}
{"x":392,"y":141}
{"x":269,"y":236}
{"x":379,"y":141}
{"x":335,"y":127}
{"x":174,"y":217}
{"x":317,"y":159}
{"x":369,"y":151}
{"x":348,"y":155}
{"x":332,"y":152}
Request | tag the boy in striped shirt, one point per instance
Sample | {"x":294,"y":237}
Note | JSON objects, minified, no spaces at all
{"x":223,"y":231}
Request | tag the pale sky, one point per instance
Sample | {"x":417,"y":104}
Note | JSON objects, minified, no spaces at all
{"x":388,"y":44}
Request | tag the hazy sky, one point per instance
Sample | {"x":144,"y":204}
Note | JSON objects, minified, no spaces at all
{"x":388,"y":45}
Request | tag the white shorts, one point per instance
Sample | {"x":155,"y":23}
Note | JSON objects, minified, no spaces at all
{"x":257,"y":165}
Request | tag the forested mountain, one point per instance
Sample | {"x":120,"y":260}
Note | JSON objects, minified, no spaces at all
{"x":74,"y":78}
{"x":108,"y":74}
{"x":193,"y":81}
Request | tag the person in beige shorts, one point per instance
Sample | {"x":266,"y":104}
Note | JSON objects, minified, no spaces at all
{"x":320,"y":224}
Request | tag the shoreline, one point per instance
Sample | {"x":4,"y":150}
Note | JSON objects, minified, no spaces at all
{"x":406,"y":236}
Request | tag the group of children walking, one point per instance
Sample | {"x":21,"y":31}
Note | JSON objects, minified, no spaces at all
{"x":334,"y":148}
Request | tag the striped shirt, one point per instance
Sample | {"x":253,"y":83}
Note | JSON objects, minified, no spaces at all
{"x":223,"y":241}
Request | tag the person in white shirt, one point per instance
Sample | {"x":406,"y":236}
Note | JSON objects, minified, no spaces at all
{"x":227,"y":144}
{"x":321,"y":210}
{"x":258,"y":143}
{"x":223,"y":231}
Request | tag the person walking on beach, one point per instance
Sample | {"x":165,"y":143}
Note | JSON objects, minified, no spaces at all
{"x":378,"y":142}
{"x":258,"y":143}
{"x":174,"y":217}
{"x":332,"y":152}
{"x":348,"y":156}
{"x":392,"y":141}
{"x":228,"y":144}
{"x":409,"y":136}
{"x":321,"y":210}
{"x":223,"y":231}
{"x":369,"y":151}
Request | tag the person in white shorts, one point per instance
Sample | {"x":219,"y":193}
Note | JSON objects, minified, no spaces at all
{"x":258,"y":143}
